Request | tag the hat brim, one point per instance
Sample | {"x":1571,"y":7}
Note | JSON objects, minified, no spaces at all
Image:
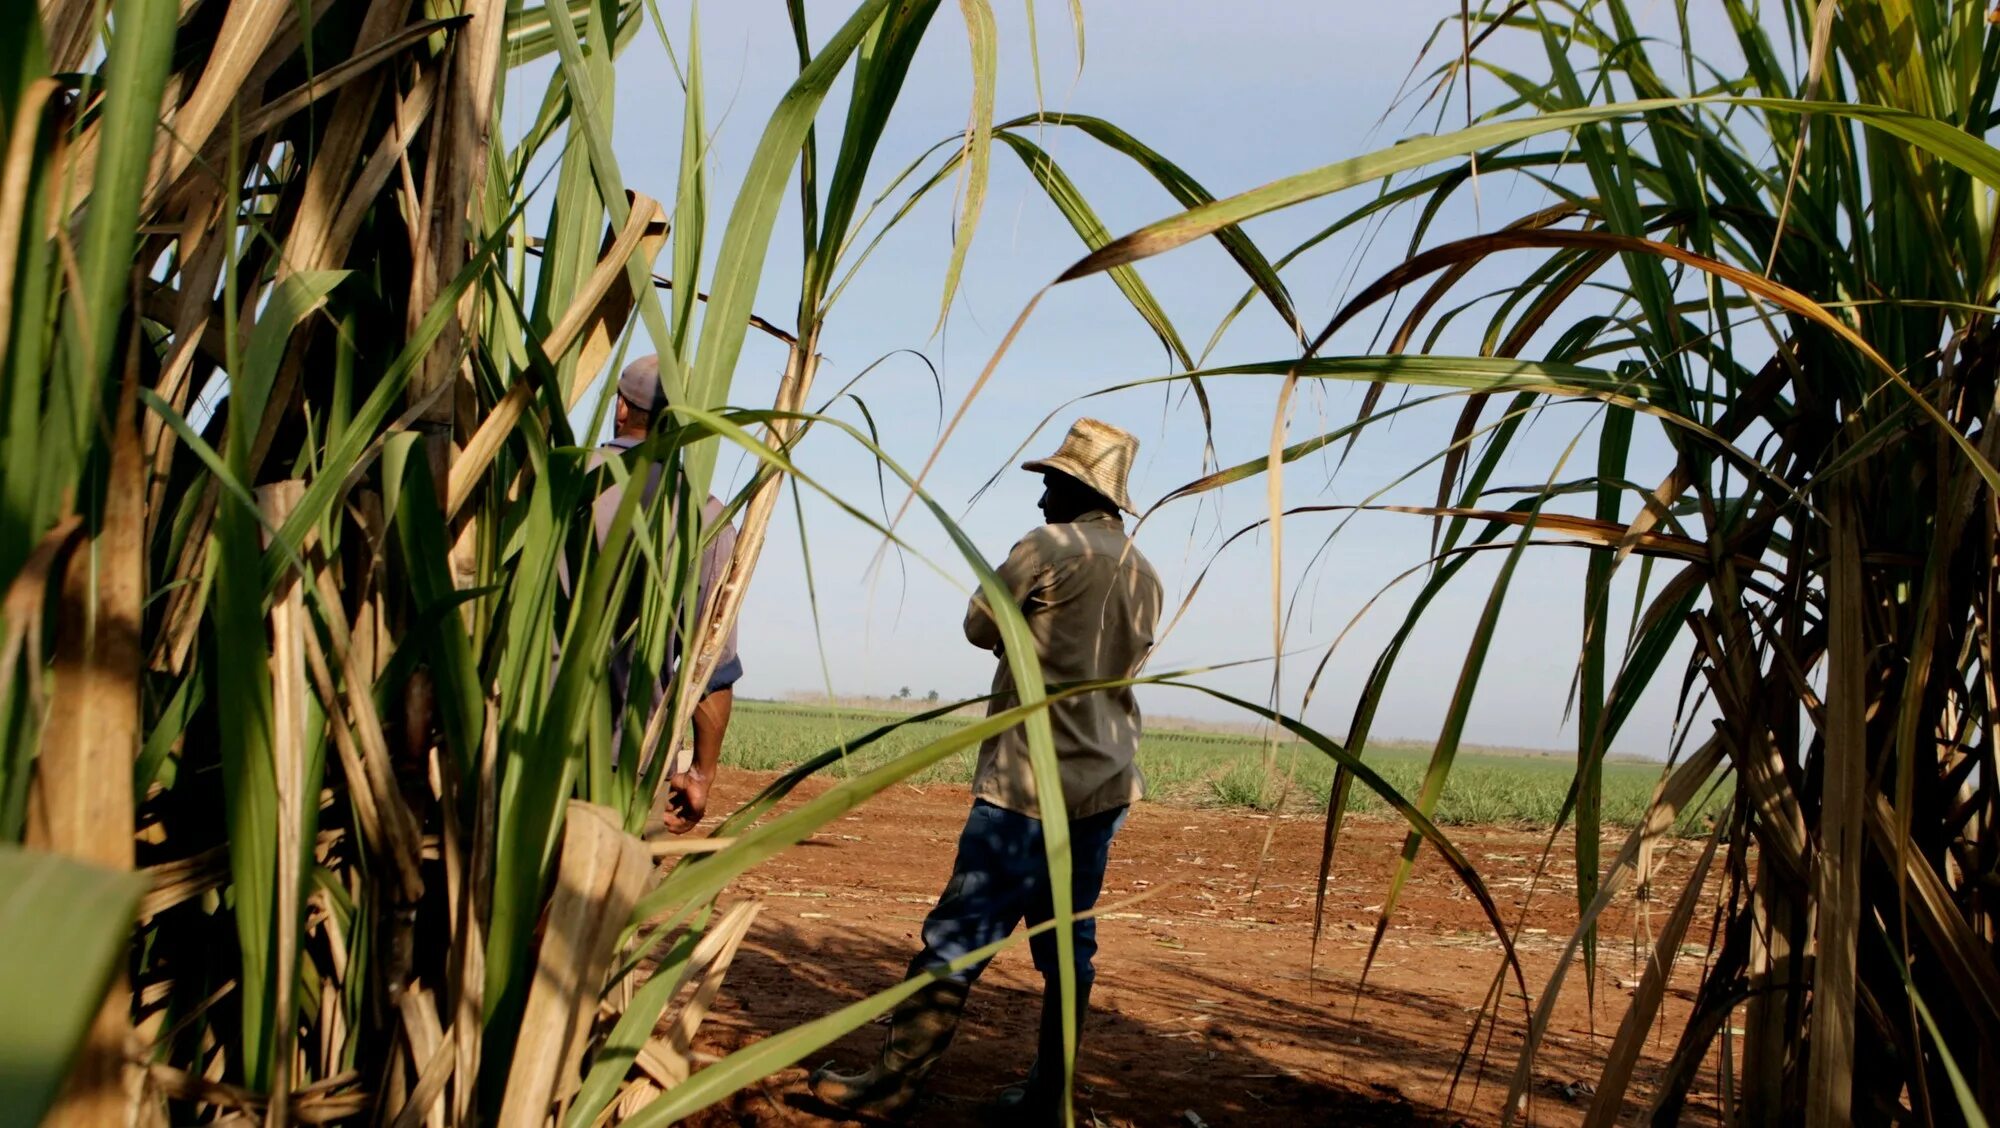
{"x":1063,"y":466}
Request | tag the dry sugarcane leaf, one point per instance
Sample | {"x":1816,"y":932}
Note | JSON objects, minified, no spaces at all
{"x":196,"y":331}
{"x":188,"y":602}
{"x":69,"y":28}
{"x":412,"y":110}
{"x":289,"y":625}
{"x":597,"y":883}
{"x":486,"y":442}
{"x":1962,"y":955}
{"x":334,"y":1030}
{"x":81,"y":802}
{"x":458,"y":903}
{"x":246,"y":30}
{"x":369,"y":644}
{"x":666,"y":1059}
{"x":199,"y":328}
{"x":631,"y":1099}
{"x":177,"y":165}
{"x":662,"y":1069}
{"x":23,"y":608}
{"x":1605,"y":534}
{"x":430,"y":1054}
{"x":597,"y":313}
{"x":283,"y":49}
{"x":16,"y":173}
{"x":183,"y":879}
{"x":329,"y":1101}
{"x":437,"y":1070}
{"x":671,"y":847}
{"x":367,"y":817}
{"x":372,"y":776}
{"x":1844,"y":798}
{"x":458,"y":168}
{"x":279,"y":405}
{"x":1670,"y":798}
{"x":468,"y":949}
{"x":1780,"y":823}
{"x":182,"y":1085}
{"x":311,"y":243}
{"x":1639,"y":1013}
{"x":1741,"y":412}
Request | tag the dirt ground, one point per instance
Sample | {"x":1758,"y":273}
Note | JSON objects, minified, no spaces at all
{"x":1204,"y":1011}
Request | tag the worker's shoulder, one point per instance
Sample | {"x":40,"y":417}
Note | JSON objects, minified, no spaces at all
{"x":715,"y":515}
{"x":1103,"y":541}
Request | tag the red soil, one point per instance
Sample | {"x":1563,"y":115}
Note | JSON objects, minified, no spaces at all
{"x":1204,"y":1004}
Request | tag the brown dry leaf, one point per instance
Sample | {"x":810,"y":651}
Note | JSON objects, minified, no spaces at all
{"x":1670,"y":798}
{"x":667,"y":1060}
{"x":431,"y":1054}
{"x":81,"y":799}
{"x":597,"y":313}
{"x":1608,"y":1100}
{"x":597,"y":882}
{"x":1837,"y":865}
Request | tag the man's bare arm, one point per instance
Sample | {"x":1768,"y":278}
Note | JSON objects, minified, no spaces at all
{"x":687,"y":792}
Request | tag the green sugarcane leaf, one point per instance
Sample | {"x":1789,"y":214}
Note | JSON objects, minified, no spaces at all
{"x":1189,"y":193}
{"x":747,"y":235}
{"x":64,"y":927}
{"x":1938,"y":138}
{"x":1614,"y":443}
{"x":139,"y":56}
{"x":882,"y":62}
{"x":1063,"y":193}
{"x":977,"y":153}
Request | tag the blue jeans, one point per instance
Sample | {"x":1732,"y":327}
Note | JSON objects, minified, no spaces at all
{"x":1001,"y":878}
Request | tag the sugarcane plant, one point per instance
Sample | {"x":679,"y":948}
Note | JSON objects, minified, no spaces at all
{"x":1774,"y":248}
{"x":305,"y":631}
{"x":306,"y":624}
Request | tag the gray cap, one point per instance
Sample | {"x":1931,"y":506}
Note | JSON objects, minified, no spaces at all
{"x":639,"y":385}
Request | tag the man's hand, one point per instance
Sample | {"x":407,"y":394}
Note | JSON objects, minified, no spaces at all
{"x":686,"y":798}
{"x":686,"y":801}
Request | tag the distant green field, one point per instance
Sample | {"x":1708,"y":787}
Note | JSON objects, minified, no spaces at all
{"x":1223,"y":769}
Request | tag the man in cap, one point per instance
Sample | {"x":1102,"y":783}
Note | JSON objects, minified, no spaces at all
{"x":685,"y":800}
{"x":1092,"y":604}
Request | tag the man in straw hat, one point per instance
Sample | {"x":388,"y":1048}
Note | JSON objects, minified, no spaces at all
{"x":684,"y":801}
{"x":1092,"y":603}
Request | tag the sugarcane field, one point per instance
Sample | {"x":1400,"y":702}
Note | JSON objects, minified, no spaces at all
{"x":620,"y":563}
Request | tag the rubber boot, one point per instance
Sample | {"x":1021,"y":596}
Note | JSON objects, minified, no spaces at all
{"x":919,"y":1031}
{"x":1039,"y":1099}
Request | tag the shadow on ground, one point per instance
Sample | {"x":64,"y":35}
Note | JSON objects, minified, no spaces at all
{"x":1131,"y":1071}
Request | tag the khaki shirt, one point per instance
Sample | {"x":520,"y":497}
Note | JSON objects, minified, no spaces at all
{"x":1092,"y":603}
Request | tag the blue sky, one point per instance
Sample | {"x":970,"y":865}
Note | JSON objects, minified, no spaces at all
{"x":1237,"y":94}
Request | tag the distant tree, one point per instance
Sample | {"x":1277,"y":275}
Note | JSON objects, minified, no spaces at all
{"x":931,"y":697}
{"x":904,"y":693}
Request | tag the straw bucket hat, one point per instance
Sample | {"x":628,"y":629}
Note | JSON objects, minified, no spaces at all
{"x":1096,"y":454}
